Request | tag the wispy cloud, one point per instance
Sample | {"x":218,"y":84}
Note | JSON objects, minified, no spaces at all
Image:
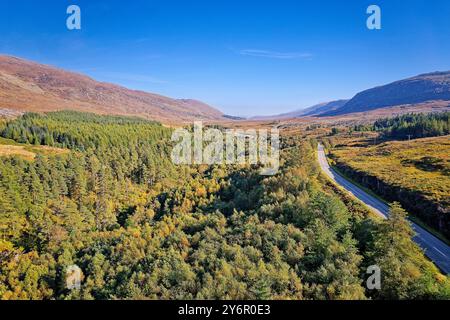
{"x":275,"y":54}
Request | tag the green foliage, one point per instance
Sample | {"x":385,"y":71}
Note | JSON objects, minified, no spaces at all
{"x":414,"y":126}
{"x":140,"y":228}
{"x":406,"y":274}
{"x":414,"y":173}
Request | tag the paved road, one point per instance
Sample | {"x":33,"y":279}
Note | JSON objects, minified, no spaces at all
{"x":435,"y":249}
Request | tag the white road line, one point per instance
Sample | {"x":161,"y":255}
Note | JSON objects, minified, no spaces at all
{"x":439,"y":251}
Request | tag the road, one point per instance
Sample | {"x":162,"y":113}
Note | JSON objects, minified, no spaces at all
{"x":436,"y":250}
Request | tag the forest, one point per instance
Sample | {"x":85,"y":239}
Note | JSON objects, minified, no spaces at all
{"x":414,"y":126}
{"x":140,"y":227}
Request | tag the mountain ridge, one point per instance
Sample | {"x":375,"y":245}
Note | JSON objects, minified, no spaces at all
{"x":422,"y":88}
{"x":306,"y":112}
{"x":428,"y":88}
{"x":29,"y":86}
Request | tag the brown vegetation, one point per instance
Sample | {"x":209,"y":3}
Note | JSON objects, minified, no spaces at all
{"x":28,"y":86}
{"x":416,"y":173}
{"x":9,"y":148}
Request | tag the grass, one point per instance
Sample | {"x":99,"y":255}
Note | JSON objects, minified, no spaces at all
{"x":343,"y":194}
{"x":4,"y":141}
{"x":419,"y":166}
{"x":343,"y":191}
{"x":10,"y":148}
{"x":370,"y":192}
{"x":411,"y":217}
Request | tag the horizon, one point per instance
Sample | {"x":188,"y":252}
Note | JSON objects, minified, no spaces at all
{"x":264,"y":60}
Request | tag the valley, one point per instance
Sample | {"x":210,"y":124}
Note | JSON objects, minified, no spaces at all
{"x":224,"y":159}
{"x":140,"y":227}
{"x":87,"y":181}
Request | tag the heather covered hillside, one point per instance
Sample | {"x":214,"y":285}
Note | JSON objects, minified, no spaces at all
{"x":29,"y":86}
{"x":407,"y":167}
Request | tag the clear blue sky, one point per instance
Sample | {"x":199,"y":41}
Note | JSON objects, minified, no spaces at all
{"x":245,"y":57}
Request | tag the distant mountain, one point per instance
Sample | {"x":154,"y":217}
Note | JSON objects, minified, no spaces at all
{"x":423,"y":88}
{"x":315,"y":110}
{"x":233,"y":117}
{"x":426,"y":92}
{"x":321,"y":108}
{"x":29,"y":86}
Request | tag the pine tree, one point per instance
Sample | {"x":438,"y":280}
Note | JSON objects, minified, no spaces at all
{"x":402,"y":263}
{"x":261,"y":290}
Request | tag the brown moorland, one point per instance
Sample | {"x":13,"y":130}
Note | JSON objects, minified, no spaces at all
{"x":28,"y":86}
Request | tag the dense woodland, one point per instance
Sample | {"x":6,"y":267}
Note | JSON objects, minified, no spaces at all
{"x":415,"y":126}
{"x":141,"y":228}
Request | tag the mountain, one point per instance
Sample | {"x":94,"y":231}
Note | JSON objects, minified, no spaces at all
{"x":29,"y":86}
{"x":321,"y":108}
{"x":422,"y":88}
{"x":315,"y":110}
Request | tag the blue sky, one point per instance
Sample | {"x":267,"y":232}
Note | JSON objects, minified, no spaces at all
{"x":245,"y":57}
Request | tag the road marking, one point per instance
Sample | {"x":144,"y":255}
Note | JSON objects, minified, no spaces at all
{"x":439,"y":251}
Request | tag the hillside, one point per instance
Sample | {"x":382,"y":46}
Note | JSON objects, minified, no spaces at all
{"x":426,"y":87}
{"x":28,"y":86}
{"x":414,"y":173}
{"x":322,"y":108}
{"x":315,"y":110}
{"x":424,"y":93}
